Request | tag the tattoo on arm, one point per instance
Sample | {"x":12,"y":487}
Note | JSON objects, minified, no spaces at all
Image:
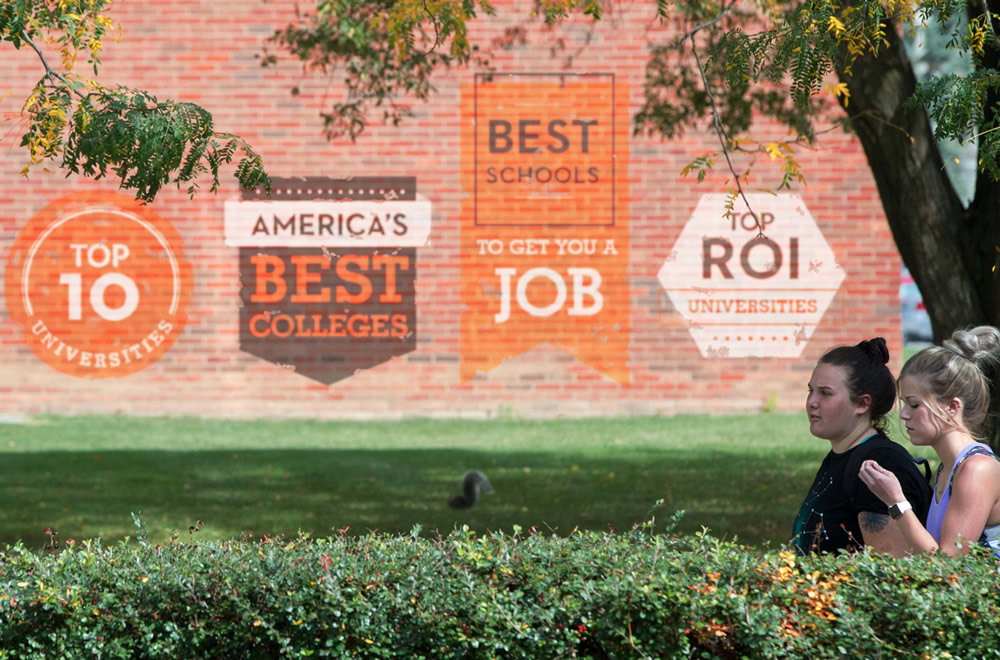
{"x":873,"y":522}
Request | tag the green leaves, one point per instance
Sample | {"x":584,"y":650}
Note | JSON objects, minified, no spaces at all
{"x":99,"y":131}
{"x":148,"y":144}
{"x":76,"y":25}
{"x":521,"y":595}
{"x":957,"y":107}
{"x":387,"y":52}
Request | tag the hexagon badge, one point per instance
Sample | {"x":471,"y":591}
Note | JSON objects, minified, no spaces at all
{"x":748,"y":293}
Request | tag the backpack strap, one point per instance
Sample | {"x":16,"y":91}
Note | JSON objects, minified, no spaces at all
{"x":925,"y":465}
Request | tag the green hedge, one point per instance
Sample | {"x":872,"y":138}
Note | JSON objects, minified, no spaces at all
{"x":518,"y":595}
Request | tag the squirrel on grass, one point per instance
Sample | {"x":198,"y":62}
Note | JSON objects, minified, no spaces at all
{"x":473,"y":483}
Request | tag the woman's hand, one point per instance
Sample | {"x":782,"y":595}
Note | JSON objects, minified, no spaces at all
{"x":881,"y":482}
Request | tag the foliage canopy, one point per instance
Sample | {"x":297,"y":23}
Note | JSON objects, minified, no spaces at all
{"x":95,"y":129}
{"x":727,"y":62}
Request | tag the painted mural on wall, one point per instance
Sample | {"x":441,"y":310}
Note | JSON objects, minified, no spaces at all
{"x":99,"y":283}
{"x":545,"y":225}
{"x":328,"y":271}
{"x":537,"y":293}
{"x":751,"y":290}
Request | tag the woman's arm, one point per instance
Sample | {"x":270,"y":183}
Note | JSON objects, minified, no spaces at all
{"x":975,"y":490}
{"x":885,"y":486}
{"x":881,"y":535}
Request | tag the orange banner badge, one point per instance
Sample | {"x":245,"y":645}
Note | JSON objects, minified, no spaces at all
{"x":545,"y":224}
{"x":100,"y":284}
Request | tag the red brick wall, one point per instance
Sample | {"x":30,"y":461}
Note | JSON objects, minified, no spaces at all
{"x":204,"y":52}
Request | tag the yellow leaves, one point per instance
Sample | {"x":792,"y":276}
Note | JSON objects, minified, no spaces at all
{"x":68,"y":58}
{"x":976,"y":37}
{"x":708,"y":161}
{"x":701,"y":165}
{"x":775,"y":150}
{"x":106,"y":24}
{"x":834,"y":25}
{"x":30,"y":102}
{"x":839,"y":90}
{"x":92,"y":84}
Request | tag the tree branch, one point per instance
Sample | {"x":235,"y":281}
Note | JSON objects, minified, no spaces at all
{"x":989,"y":21}
{"x":715,"y":112}
{"x":722,"y":14}
{"x":49,"y":72}
{"x":437,"y":32}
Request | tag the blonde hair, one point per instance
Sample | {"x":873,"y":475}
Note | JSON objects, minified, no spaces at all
{"x":962,"y":367}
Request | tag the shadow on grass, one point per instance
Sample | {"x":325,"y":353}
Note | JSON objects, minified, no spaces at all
{"x":86,"y":494}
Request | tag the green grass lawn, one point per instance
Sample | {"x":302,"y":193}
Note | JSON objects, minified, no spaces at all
{"x":740,"y":476}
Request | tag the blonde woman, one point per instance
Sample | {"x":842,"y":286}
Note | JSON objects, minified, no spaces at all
{"x":945,"y":400}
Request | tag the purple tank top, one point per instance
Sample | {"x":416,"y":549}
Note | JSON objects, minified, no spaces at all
{"x":935,"y":515}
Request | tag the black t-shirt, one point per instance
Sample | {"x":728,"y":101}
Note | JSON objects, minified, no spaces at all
{"x":828,"y":518}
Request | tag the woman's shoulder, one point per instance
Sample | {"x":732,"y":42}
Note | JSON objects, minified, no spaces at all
{"x":882,"y":442}
{"x":980,"y":462}
{"x":976,"y":449}
{"x":978,"y":471}
{"x":889,"y":454}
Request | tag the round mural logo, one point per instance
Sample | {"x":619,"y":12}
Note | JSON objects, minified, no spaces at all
{"x":100,"y":285}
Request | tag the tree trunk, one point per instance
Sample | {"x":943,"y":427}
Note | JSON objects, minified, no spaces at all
{"x":926,"y":216}
{"x":983,"y":216}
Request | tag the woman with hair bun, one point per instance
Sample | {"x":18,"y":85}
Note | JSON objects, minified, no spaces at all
{"x":945,"y":401}
{"x":850,"y":392}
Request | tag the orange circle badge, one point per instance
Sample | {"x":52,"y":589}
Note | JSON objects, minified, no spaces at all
{"x":100,"y":285}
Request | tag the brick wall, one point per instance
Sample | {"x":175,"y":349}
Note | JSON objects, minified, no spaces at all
{"x":205,"y":52}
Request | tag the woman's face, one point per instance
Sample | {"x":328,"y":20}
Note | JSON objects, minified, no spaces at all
{"x":832,"y":413}
{"x":922,"y":425}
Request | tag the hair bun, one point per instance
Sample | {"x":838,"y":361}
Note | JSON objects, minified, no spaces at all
{"x":876,"y":349}
{"x":980,"y":344}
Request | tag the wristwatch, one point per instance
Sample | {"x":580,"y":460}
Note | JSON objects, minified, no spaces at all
{"x":897,"y":510}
